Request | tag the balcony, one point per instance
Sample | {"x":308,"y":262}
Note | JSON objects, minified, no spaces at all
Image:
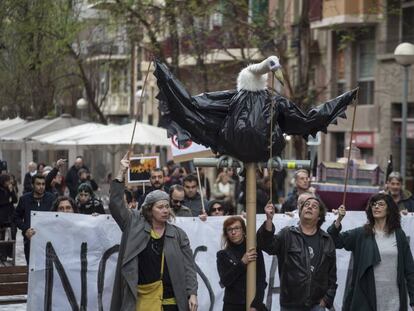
{"x":116,"y":104}
{"x":345,"y":13}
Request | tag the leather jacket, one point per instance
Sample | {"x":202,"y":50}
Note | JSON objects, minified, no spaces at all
{"x":299,"y":287}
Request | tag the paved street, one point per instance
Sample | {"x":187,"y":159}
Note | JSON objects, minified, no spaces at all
{"x":19,"y":261}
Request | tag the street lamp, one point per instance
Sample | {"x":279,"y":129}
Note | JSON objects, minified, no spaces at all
{"x":404,"y":55}
{"x":82,"y":105}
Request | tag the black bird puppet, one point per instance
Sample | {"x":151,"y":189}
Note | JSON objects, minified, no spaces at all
{"x":238,"y":123}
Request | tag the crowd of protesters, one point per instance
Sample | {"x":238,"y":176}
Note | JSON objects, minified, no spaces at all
{"x":155,"y":258}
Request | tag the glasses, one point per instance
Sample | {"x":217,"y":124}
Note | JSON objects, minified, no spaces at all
{"x":216,"y":209}
{"x":178,"y":202}
{"x":380,"y":204}
{"x":234,"y":229}
{"x":314,"y":204}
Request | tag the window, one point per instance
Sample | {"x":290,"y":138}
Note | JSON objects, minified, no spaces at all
{"x":340,"y":144}
{"x":408,"y":24}
{"x":366,"y":66}
{"x":340,"y":72}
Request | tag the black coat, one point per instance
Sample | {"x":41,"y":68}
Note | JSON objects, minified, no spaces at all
{"x":298,"y":287}
{"x":27,"y":204}
{"x":360,"y":294}
{"x":232,"y":272}
{"x":27,"y":183}
{"x":72,"y":180}
{"x":92,"y":206}
{"x":7,"y":199}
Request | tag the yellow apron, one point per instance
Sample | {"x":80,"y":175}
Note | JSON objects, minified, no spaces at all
{"x":150,"y":295}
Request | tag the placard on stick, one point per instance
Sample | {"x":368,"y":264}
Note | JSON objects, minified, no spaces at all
{"x":140,"y":168}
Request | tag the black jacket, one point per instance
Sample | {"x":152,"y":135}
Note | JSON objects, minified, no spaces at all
{"x":7,"y":199}
{"x":298,"y":287}
{"x":72,"y":180}
{"x":232,"y":272}
{"x":27,"y":183}
{"x":291,"y":202}
{"x":27,"y":203}
{"x":92,"y":206}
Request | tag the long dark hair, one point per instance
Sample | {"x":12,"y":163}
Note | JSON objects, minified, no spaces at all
{"x":227,"y":223}
{"x":393,"y":217}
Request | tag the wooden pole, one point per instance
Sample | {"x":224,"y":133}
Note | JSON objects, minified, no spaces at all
{"x":349,"y":152}
{"x":251,"y":230}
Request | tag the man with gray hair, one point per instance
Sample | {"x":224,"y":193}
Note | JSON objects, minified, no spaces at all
{"x":402,"y":197}
{"x":27,"y":183}
{"x":302,"y":184}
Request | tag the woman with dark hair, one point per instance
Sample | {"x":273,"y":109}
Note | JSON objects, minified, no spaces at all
{"x":383,"y":267}
{"x":216,"y":208}
{"x":232,"y":263}
{"x":156,"y":269}
{"x":8,"y":197}
{"x":64,"y":204}
{"x":87,"y":202}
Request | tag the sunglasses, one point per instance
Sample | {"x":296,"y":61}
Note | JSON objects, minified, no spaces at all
{"x":216,"y":209}
{"x":178,"y":201}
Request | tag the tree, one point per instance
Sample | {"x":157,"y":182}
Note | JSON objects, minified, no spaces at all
{"x":41,"y":60}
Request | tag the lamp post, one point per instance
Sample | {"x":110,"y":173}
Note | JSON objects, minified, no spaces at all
{"x":404,"y":55}
{"x":82,"y":105}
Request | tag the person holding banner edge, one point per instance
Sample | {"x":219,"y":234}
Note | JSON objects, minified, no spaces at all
{"x":383,"y":266}
{"x":155,"y":269}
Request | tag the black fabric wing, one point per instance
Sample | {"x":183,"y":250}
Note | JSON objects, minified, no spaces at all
{"x":197,"y":118}
{"x":293,"y":121}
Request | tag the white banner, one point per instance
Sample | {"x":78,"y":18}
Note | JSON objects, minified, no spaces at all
{"x":83,"y":250}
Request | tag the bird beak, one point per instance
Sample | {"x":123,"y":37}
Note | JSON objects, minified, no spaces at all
{"x":279,"y":76}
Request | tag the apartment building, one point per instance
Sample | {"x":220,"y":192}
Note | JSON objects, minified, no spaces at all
{"x":355,"y":41}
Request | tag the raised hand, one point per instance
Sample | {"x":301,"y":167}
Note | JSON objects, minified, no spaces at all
{"x":123,"y":167}
{"x":341,"y":215}
{"x":270,"y":212}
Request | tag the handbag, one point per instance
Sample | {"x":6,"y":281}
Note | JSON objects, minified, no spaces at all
{"x":150,"y":296}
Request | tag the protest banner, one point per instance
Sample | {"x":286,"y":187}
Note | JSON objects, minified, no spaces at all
{"x":82,"y":252}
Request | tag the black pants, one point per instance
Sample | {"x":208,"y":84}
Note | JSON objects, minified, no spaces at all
{"x":26,"y":244}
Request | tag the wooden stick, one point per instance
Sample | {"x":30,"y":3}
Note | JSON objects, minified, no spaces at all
{"x":203,"y":210}
{"x":251,"y":231}
{"x":349,"y":151}
{"x":140,"y":103}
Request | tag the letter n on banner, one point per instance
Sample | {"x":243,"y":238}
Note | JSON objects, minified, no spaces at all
{"x":53,"y":260}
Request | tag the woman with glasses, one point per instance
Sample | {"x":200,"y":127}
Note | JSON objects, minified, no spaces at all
{"x":232,"y":263}
{"x":383,"y":266}
{"x":156,"y":269}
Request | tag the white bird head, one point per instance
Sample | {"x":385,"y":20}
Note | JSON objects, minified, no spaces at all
{"x":254,"y":77}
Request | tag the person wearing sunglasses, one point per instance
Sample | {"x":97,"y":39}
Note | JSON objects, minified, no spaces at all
{"x":232,"y":263}
{"x":177,"y":202}
{"x":216,"y":208}
{"x":383,"y":266}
